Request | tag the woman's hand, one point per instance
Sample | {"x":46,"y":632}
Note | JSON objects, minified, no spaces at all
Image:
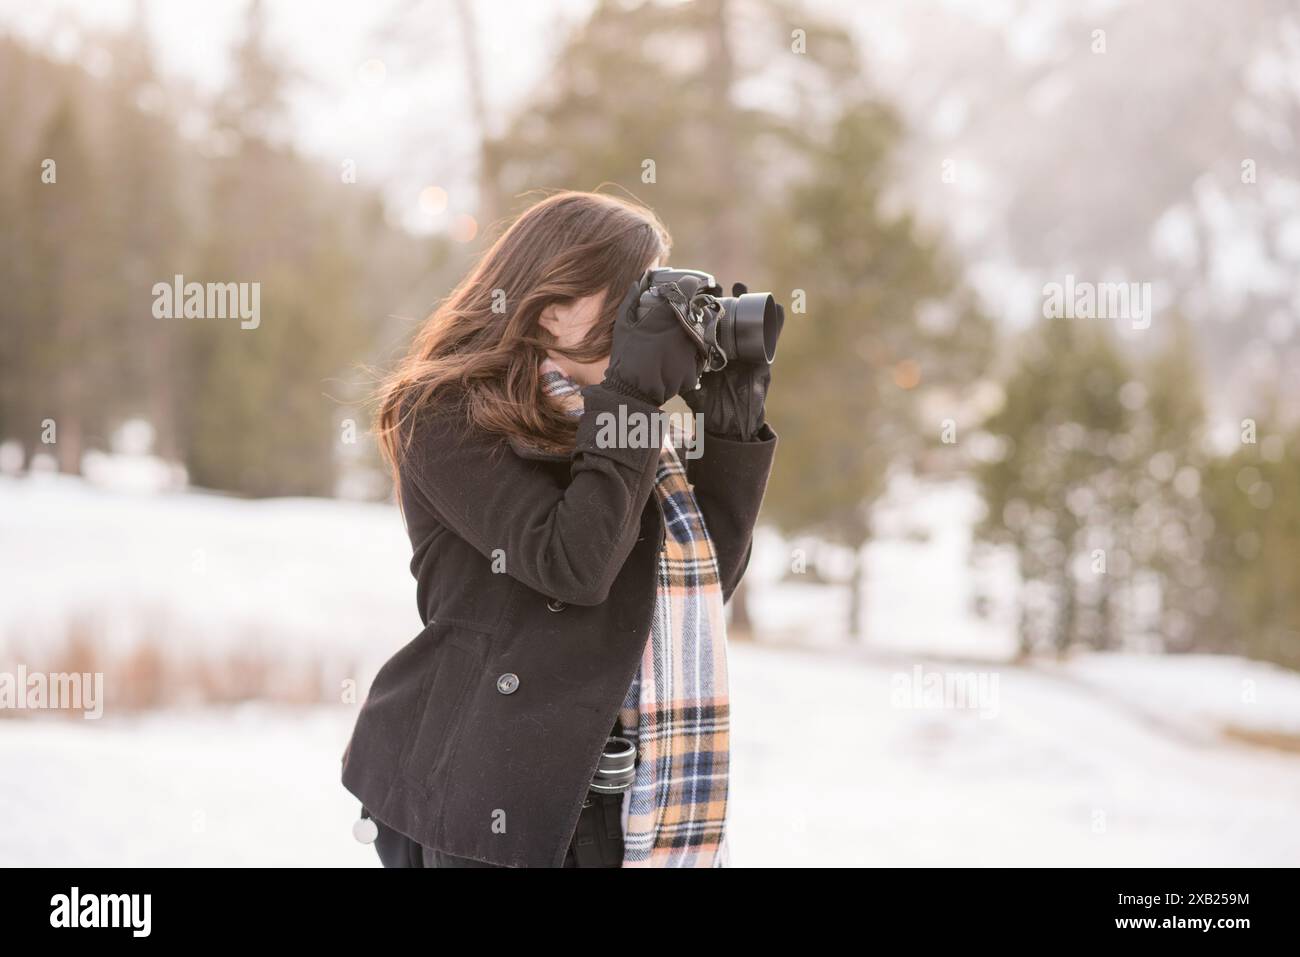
{"x":652,"y":357}
{"x":732,"y":399}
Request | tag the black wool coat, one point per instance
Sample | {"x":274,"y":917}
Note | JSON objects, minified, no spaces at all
{"x":536,"y":577}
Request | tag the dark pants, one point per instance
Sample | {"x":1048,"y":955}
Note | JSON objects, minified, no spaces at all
{"x":597,"y":841}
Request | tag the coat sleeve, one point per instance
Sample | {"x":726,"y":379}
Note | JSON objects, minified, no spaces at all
{"x":729,"y":479}
{"x":567,"y":542}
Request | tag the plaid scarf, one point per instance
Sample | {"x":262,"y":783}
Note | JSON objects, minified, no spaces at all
{"x":676,"y":711}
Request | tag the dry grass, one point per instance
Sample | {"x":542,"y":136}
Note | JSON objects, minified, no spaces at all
{"x":1264,"y":738}
{"x":148,"y":671}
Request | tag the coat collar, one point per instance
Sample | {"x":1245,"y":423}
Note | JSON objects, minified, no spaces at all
{"x":528,"y":452}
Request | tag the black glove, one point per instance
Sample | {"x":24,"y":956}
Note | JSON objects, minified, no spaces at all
{"x":652,"y":357}
{"x":732,"y":399}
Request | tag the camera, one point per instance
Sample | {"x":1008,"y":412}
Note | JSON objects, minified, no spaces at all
{"x":743,"y":326}
{"x":616,"y":768}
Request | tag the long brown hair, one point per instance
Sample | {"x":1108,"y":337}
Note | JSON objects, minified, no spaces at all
{"x":481,"y":347}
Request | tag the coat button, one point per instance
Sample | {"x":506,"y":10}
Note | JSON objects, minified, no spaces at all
{"x":507,"y":683}
{"x":556,"y":605}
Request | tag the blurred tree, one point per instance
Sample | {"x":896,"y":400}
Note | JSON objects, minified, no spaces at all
{"x":1166,"y":522}
{"x":252,"y":107}
{"x":130,"y":202}
{"x":1124,"y":524}
{"x":17,"y":418}
{"x":1253,"y":496}
{"x":259,"y":420}
{"x":147,"y":229}
{"x":66,"y":348}
{"x":1057,"y":492}
{"x":664,"y":118}
{"x":887,"y":322}
{"x":46,"y":111}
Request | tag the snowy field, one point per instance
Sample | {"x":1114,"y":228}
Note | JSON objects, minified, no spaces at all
{"x":840,"y":756}
{"x":827,"y":771}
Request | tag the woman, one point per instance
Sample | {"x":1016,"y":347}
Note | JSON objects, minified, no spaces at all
{"x":571,"y":586}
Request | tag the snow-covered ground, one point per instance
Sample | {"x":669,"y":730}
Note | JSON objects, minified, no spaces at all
{"x":921,"y":585}
{"x":312,"y":576}
{"x":841,"y":755}
{"x":830,"y":768}
{"x":331,"y":579}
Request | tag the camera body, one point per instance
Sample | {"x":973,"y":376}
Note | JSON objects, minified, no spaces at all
{"x":742,"y":327}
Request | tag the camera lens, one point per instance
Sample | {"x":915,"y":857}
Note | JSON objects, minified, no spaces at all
{"x":750,"y":327}
{"x":617,"y":766}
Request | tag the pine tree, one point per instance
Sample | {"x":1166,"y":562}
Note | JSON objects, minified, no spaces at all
{"x":854,"y":367}
{"x":1168,"y":524}
{"x":261,"y":420}
{"x":1057,"y":494}
{"x":1253,"y":498}
{"x":67,"y":266}
{"x":148,"y":232}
